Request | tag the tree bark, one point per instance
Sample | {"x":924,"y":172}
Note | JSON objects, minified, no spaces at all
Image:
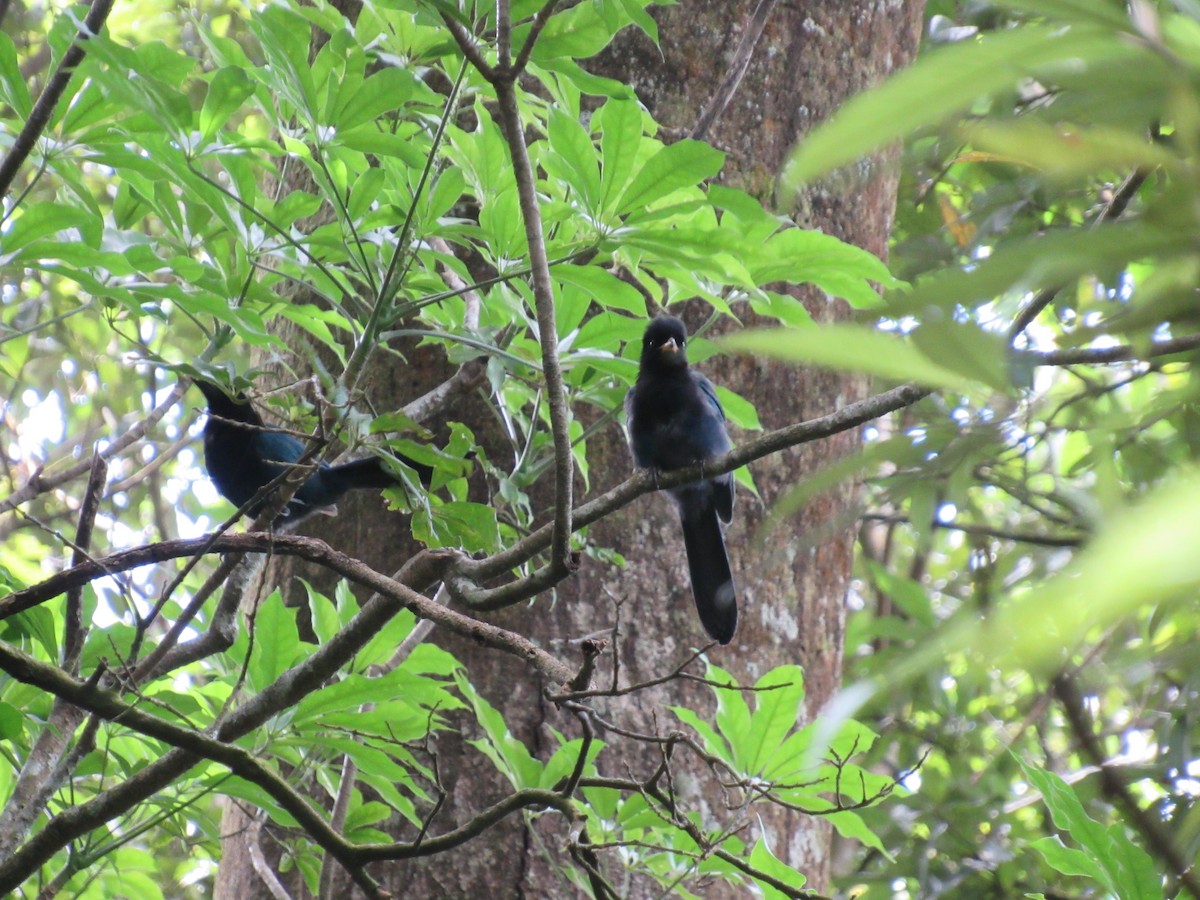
{"x":811,"y":56}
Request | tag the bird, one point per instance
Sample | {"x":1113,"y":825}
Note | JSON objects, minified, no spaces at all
{"x":675,"y":421}
{"x":242,"y":454}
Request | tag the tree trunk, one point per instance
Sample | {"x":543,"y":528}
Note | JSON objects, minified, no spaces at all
{"x":811,"y":56}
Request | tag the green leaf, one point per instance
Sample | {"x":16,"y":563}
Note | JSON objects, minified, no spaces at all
{"x":713,"y":742}
{"x":38,"y":623}
{"x":227,"y":91}
{"x":276,"y":642}
{"x":849,"y":347}
{"x":635,"y":9}
{"x":13,"y":89}
{"x":1070,"y":151}
{"x":325,"y":619}
{"x":738,"y":410}
{"x":1068,"y":860}
{"x":619,"y":123}
{"x":850,"y":824}
{"x":510,"y":756}
{"x":458,"y":523}
{"x":945,"y":82}
{"x":803,"y":256}
{"x":1068,"y":814}
{"x":1050,"y":261}
{"x":1100,"y":13}
{"x":571,"y":144}
{"x":369,"y":139}
{"x":1137,"y":874}
{"x":778,"y":695}
{"x":911,"y":596}
{"x":765,"y":861}
{"x":10,"y":722}
{"x":577,"y":32}
{"x":386,"y":90}
{"x":733,"y":717}
{"x":354,"y":691}
{"x":968,"y":350}
{"x":683,"y":164}
{"x":566,"y":758}
{"x":42,"y":220}
{"x":605,"y":288}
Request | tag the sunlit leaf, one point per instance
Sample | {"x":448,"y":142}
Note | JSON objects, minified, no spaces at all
{"x":851,"y":348}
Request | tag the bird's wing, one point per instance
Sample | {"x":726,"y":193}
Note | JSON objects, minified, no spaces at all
{"x":629,"y":422}
{"x":275,"y":446}
{"x":709,"y":392}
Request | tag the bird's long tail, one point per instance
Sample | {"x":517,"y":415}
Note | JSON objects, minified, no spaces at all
{"x":370,"y":473}
{"x":708,"y":564}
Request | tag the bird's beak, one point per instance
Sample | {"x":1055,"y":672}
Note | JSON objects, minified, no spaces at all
{"x":669,"y":346}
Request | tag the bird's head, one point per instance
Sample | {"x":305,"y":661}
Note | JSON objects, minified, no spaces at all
{"x":221,"y":404}
{"x":664,"y":346}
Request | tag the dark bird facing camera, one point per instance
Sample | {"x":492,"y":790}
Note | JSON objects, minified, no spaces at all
{"x":675,"y":421}
{"x":242,"y":454}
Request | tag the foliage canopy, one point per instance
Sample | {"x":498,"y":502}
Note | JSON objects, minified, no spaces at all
{"x":1027,"y":532}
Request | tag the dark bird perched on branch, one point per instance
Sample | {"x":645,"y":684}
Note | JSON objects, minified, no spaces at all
{"x":242,"y":454}
{"x":675,"y":421}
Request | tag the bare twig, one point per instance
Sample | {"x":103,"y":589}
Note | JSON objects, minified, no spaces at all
{"x":535,"y":31}
{"x":337,"y":821}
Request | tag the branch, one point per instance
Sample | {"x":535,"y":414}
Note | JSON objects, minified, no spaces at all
{"x":393,"y":594}
{"x":43,"y":110}
{"x":1151,"y":830}
{"x":39,"y":485}
{"x":1045,"y":296}
{"x":470,"y":50}
{"x":504,"y":80}
{"x":1101,"y":356}
{"x":1041,"y":540}
{"x":472,"y":572}
{"x":43,"y":771}
{"x":737,"y":68}
{"x":539,"y":22}
{"x":106,"y":705}
{"x":74,"y":629}
{"x":522,"y":799}
{"x":543,"y":297}
{"x":644,"y":482}
{"x":294,"y":684}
